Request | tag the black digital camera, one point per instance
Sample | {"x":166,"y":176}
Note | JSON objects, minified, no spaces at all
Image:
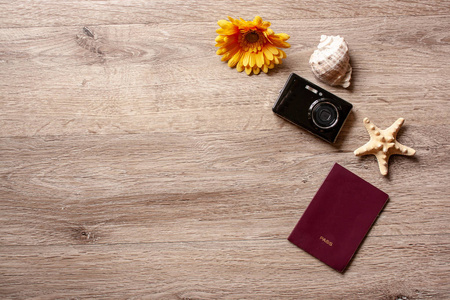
{"x":306,"y":105}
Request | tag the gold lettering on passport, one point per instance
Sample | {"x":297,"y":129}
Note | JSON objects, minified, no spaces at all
{"x":326,"y":241}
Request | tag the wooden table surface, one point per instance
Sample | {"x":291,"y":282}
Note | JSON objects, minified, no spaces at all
{"x":135,"y":164}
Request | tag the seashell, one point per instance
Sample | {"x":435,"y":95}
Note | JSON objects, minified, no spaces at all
{"x":330,"y":63}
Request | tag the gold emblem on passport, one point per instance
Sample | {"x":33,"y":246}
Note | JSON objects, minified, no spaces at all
{"x":326,"y":241}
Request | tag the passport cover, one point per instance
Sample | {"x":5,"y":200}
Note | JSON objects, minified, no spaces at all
{"x":338,"y":218}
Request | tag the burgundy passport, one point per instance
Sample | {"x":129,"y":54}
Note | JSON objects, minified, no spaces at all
{"x":338,"y":218}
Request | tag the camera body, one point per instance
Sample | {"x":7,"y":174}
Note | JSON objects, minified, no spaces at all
{"x":309,"y":106}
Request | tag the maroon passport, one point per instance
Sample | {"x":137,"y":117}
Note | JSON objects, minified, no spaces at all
{"x":338,"y":218}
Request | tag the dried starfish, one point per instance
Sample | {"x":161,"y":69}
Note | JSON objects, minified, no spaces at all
{"x":383,"y":144}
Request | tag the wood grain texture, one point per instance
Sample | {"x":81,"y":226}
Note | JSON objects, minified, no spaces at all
{"x":158,"y":71}
{"x":386,"y":268}
{"x":135,"y":164}
{"x":16,"y":13}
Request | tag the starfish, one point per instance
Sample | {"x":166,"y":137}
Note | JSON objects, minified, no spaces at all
{"x":383,"y":144}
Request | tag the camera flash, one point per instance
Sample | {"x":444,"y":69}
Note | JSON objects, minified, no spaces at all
{"x":311,"y":89}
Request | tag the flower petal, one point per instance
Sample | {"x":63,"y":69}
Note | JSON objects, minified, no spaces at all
{"x":246,"y":59}
{"x":267,"y":52}
{"x":248,"y":70}
{"x":283,"y":36}
{"x":223,"y":23}
{"x":276,"y":60}
{"x":228,"y":41}
{"x":228,"y":30}
{"x":219,"y":39}
{"x":252,"y":61}
{"x":230,"y":53}
{"x":234,"y":21}
{"x":278,"y":42}
{"x":259,"y":59}
{"x":240,"y":67}
{"x":221,"y":51}
{"x":256,"y":70}
{"x":265,"y":69}
{"x":257,"y":21}
{"x":235,"y":59}
{"x":264,"y":25}
{"x":272,"y":49}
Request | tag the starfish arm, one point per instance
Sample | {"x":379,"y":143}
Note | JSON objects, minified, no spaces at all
{"x":382,"y":163}
{"x":394,"y":128}
{"x":403,"y":150}
{"x":365,"y":149}
{"x":371,"y":128}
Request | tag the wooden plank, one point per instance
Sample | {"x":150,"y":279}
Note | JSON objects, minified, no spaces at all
{"x":167,"y":78}
{"x":232,"y":269}
{"x":70,"y":12}
{"x":207,"y":186}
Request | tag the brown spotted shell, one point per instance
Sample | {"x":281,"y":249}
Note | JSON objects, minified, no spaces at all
{"x":330,"y":63}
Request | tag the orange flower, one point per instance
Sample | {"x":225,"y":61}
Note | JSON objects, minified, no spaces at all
{"x":250,"y":45}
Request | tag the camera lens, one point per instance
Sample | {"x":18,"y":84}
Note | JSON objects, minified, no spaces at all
{"x":324,"y":114}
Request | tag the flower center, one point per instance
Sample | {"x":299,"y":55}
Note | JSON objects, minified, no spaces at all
{"x":252,"y":37}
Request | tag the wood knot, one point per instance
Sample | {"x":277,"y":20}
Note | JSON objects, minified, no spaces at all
{"x":90,"y":41}
{"x":83,"y":235}
{"x":88,"y":32}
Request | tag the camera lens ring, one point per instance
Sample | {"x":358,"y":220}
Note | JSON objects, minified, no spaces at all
{"x":323,"y":113}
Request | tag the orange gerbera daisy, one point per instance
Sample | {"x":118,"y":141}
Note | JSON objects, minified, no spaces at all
{"x":250,"y":45}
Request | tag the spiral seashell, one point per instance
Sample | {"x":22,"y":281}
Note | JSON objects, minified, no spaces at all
{"x":330,"y":63}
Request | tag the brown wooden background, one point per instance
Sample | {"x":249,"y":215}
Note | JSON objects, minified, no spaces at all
{"x":135,"y":164}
